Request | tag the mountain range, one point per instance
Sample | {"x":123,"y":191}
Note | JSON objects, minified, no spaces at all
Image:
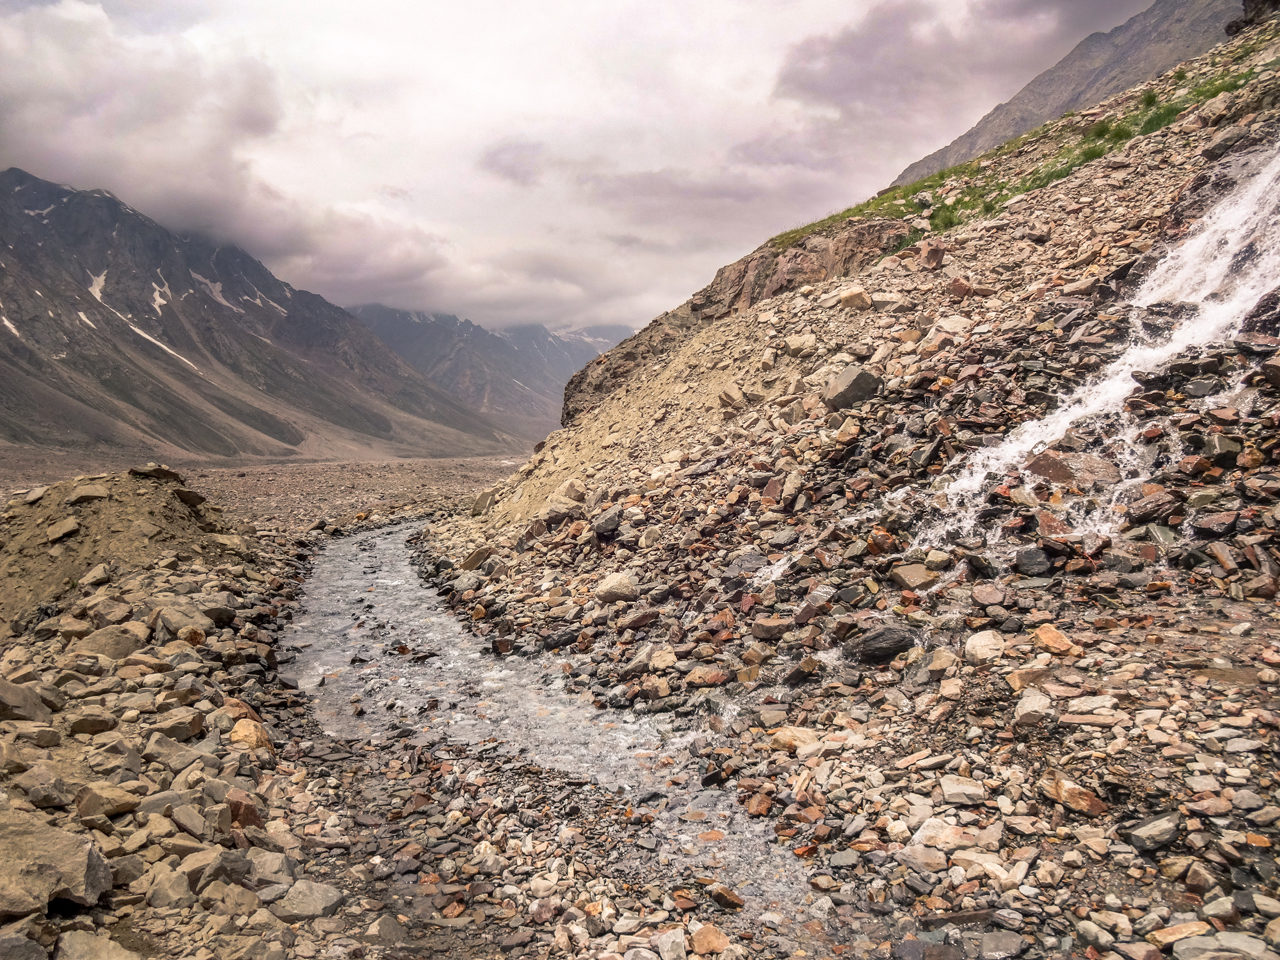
{"x":118,"y":333}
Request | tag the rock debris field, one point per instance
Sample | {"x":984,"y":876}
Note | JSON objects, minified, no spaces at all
{"x":895,"y":614}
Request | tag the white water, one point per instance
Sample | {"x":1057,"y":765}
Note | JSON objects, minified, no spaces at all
{"x":1203,"y":271}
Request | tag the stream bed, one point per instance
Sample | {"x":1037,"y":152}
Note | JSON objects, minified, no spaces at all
{"x":384,"y":661}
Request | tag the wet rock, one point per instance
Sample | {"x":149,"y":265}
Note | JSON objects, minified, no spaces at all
{"x":914,"y":576}
{"x":881,"y":644}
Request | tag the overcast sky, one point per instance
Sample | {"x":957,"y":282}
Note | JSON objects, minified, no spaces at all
{"x":552,"y":161}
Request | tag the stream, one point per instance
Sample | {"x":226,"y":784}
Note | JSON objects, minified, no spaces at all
{"x":384,"y":660}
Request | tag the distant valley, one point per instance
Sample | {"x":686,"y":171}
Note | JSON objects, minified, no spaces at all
{"x":516,"y":375}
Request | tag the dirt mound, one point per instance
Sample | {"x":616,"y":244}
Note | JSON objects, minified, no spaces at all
{"x":53,"y":539}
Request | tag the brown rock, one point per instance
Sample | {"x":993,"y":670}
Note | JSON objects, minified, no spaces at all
{"x":1071,"y":795}
{"x":708,"y":939}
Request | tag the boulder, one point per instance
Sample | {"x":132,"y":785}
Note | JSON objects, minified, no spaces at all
{"x":44,"y":863}
{"x":21,"y":701}
{"x":617,"y":586}
{"x":14,"y":946}
{"x":83,"y":945}
{"x":851,"y":385}
{"x":307,"y":900}
{"x":113,"y":642}
{"x":983,"y":647}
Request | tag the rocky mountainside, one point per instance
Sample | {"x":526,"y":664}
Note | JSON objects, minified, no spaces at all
{"x":117,"y":334}
{"x":969,"y":558}
{"x":1102,"y":64}
{"x":516,"y":375}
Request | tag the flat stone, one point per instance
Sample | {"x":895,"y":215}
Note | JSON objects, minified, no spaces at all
{"x":62,"y":529}
{"x":914,"y":576}
{"x":114,"y":642}
{"x":307,"y":900}
{"x":1156,"y":832}
{"x":44,"y":863}
{"x":962,"y":790}
{"x":1166,"y":937}
{"x":82,"y":945}
{"x":1001,"y":945}
{"x":922,"y":859}
{"x":1033,"y":708}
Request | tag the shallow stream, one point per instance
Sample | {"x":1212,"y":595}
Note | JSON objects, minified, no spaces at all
{"x":372,"y":633}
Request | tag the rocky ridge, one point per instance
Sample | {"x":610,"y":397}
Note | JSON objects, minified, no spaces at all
{"x":1103,"y":64}
{"x":1037,"y":740}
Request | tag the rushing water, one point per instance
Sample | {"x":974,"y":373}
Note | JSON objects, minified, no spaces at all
{"x":1229,"y":263}
{"x":384,"y":659}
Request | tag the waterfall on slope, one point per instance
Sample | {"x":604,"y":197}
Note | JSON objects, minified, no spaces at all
{"x":1229,"y":263}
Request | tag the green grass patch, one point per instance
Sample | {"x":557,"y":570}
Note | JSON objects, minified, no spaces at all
{"x":961,"y":193}
{"x":1160,"y":118}
{"x":1098,"y":131}
{"x":1094,"y":152}
{"x":944,"y":218}
{"x":1223,"y":83}
{"x":1121,"y":133}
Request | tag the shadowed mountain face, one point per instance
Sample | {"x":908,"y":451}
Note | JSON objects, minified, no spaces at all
{"x":517,"y":375}
{"x":117,"y":333}
{"x":1145,"y":46}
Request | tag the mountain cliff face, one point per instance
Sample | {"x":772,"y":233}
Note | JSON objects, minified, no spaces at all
{"x":1255,"y":11}
{"x":115,"y":332}
{"x":1102,"y":64}
{"x":516,"y":375}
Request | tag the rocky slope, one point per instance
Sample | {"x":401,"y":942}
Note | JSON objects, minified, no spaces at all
{"x":1103,"y":64}
{"x":116,"y":333}
{"x":1037,"y":719}
{"x":515,"y":376}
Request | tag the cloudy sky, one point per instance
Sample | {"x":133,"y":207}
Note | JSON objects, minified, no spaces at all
{"x":552,"y":161}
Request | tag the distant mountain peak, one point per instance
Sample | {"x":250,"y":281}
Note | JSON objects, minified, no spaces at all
{"x":1145,"y":46}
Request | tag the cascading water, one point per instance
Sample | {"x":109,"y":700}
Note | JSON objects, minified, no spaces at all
{"x":1230,"y":262}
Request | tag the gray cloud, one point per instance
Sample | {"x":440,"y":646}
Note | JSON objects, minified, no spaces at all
{"x":515,"y":160}
{"x":902,"y":54}
{"x":567,"y":164}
